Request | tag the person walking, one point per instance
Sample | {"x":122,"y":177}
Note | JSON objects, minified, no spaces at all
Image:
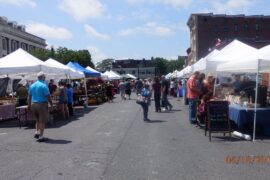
{"x":139,"y":86}
{"x":39,"y":96}
{"x":122,"y":89}
{"x":193,"y":93}
{"x":128,"y":89}
{"x":145,"y":100}
{"x":164,"y":94}
{"x":156,"y":88}
{"x":63,"y":100}
{"x":22,"y":93}
{"x":70,"y":99}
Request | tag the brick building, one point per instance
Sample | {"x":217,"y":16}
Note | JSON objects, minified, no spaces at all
{"x":139,"y":68}
{"x":14,"y":36}
{"x":209,"y":31}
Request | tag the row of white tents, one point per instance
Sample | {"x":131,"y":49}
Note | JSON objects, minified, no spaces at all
{"x":236,"y":57}
{"x":20,"y":64}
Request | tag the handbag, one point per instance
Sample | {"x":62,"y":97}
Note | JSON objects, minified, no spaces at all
{"x":140,"y":100}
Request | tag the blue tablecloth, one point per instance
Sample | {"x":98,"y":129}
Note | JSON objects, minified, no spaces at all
{"x":244,"y":117}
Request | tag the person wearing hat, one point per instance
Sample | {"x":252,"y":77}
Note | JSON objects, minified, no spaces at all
{"x":39,"y":96}
{"x":22,"y":93}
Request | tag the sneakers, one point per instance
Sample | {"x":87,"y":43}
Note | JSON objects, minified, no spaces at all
{"x":36,"y":136}
{"x":43,"y":139}
{"x":146,"y":120}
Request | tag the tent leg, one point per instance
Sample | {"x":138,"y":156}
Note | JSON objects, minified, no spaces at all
{"x":256,"y":101}
{"x":86,"y":96}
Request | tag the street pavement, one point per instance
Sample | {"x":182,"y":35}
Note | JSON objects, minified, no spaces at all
{"x":111,"y":142}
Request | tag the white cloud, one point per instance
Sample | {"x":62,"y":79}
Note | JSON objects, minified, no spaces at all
{"x":82,"y":10}
{"x":174,"y":3}
{"x":232,"y":6}
{"x":150,"y":28}
{"x":93,"y":33}
{"x":47,"y":31}
{"x":30,"y":3}
{"x":96,"y":54}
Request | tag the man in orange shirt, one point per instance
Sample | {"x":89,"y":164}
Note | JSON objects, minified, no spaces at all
{"x":193,"y":93}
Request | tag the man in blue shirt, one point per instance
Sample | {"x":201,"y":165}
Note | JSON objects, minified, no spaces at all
{"x":39,"y":96}
{"x":70,"y":99}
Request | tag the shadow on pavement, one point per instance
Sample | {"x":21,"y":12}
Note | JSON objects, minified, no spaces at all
{"x":227,"y":138}
{"x":57,"y":141}
{"x":56,"y":123}
{"x":156,"y":121}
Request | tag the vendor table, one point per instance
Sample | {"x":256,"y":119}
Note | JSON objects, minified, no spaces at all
{"x":244,"y":117}
{"x":25,"y":115}
{"x":7,"y":111}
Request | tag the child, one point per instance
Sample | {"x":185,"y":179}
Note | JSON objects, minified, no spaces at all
{"x":201,"y":110}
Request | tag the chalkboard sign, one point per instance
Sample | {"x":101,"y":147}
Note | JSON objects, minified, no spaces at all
{"x":218,"y":117}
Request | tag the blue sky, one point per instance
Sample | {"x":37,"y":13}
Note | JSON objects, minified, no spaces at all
{"x":120,"y":28}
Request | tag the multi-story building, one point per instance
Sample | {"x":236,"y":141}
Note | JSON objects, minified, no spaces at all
{"x":139,"y":68}
{"x":209,"y":30}
{"x":14,"y":36}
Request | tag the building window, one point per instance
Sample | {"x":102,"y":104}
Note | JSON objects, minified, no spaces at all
{"x":235,"y":28}
{"x":24,"y":46}
{"x":4,"y":43}
{"x":13,"y":45}
{"x":246,"y":27}
{"x":257,"y":26}
{"x":225,"y":29}
{"x":31,"y":48}
{"x":133,"y":72}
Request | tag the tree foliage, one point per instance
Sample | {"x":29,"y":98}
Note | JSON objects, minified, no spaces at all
{"x":164,"y":66}
{"x":105,"y":64}
{"x":64,"y":55}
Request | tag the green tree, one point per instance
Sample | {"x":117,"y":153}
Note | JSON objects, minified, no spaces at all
{"x":42,"y":54}
{"x":64,"y":55}
{"x":175,"y":64}
{"x":161,"y":65}
{"x":105,"y":64}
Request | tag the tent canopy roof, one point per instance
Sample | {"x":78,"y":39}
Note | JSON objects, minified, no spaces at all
{"x":87,"y":72}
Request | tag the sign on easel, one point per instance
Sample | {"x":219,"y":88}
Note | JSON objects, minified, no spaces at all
{"x":218,"y":117}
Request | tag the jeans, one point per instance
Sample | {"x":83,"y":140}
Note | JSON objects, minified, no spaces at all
{"x":70,"y":109}
{"x":145,"y":110}
{"x":164,"y":102}
{"x":192,"y":110}
{"x":157,"y":102}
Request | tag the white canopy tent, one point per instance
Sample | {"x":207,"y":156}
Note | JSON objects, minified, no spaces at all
{"x":131,"y":76}
{"x":103,"y":76}
{"x":203,"y":64}
{"x":233,"y":52}
{"x":21,"y":64}
{"x":112,"y":75}
{"x":72,"y":74}
{"x":259,"y":62}
{"x":168,"y":76}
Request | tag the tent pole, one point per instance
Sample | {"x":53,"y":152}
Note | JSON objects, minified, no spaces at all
{"x":256,"y":101}
{"x":215,"y":83}
{"x":86,"y":96}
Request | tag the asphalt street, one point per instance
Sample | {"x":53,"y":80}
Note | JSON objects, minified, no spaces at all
{"x":111,"y":142}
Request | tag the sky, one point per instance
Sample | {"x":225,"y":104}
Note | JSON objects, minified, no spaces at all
{"x":120,"y":29}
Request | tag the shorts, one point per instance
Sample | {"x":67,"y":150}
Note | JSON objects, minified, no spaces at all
{"x":41,"y":112}
{"x":128,"y":91}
